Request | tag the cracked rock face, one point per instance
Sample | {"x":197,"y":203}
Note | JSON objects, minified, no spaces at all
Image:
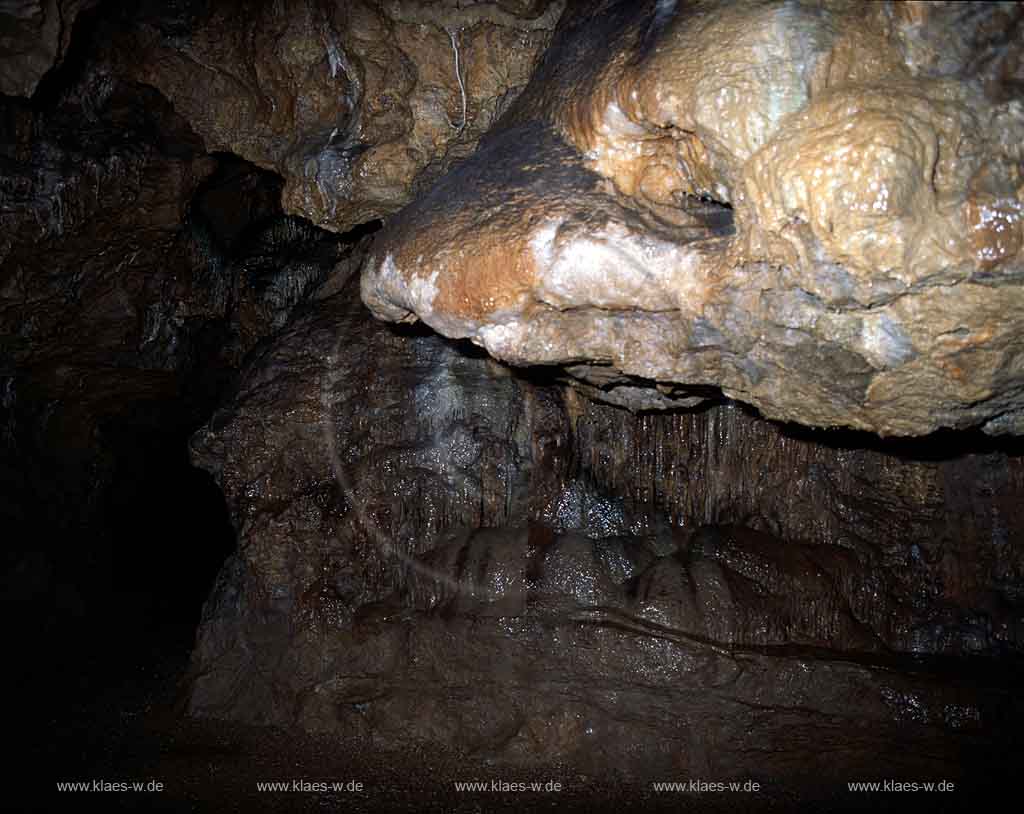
{"x":813,"y":207}
{"x":34,"y":37}
{"x":349,"y":102}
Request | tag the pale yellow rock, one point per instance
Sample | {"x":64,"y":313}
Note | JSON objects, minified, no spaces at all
{"x":786,"y":201}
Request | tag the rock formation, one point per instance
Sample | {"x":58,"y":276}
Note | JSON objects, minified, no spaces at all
{"x":812,"y":207}
{"x":680,"y":222}
{"x":136,"y":272}
{"x":433,"y":549}
{"x":352,"y":103}
{"x":34,"y":39}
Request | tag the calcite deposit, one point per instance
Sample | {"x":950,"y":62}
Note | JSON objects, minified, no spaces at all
{"x":434,"y":550}
{"x":352,"y":103}
{"x":811,"y":207}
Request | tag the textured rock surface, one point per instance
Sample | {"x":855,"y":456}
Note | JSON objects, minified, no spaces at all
{"x":136,"y":272}
{"x":349,"y":102}
{"x":34,"y":37}
{"x":434,"y":549}
{"x":815,"y":207}
{"x":94,"y":280}
{"x":437,"y":550}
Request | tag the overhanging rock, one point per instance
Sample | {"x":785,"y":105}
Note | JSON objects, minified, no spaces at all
{"x":814,"y":208}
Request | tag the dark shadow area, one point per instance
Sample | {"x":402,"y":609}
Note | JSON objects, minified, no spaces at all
{"x":88,"y":26}
{"x":169,"y":528}
{"x":100,"y":598}
{"x":943,"y":444}
{"x":114,"y":539}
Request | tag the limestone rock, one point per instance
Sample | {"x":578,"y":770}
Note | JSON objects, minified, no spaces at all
{"x":136,"y":272}
{"x":34,"y":37}
{"x":349,"y":102}
{"x":434,"y":550}
{"x":813,"y":207}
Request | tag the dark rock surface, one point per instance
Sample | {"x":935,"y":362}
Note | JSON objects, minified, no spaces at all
{"x":34,"y":39}
{"x":102,"y":321}
{"x":136,"y":271}
{"x":433,"y":549}
{"x":135,"y":730}
{"x":348,"y":102}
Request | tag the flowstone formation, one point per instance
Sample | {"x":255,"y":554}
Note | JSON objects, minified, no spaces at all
{"x":811,"y":207}
{"x":687,"y":200}
{"x":435,"y":550}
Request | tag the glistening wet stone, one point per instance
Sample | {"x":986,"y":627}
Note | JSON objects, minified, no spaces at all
{"x":813,"y":208}
{"x":420,"y":561}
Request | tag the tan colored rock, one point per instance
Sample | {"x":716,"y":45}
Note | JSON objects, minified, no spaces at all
{"x":349,"y":102}
{"x":814,"y":207}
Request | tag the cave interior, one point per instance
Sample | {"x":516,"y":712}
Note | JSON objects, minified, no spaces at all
{"x":283,"y":500}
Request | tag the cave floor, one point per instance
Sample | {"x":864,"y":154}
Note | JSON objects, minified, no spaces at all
{"x":132,"y":728}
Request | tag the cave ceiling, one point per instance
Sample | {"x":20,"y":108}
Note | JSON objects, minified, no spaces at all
{"x":813,"y":208}
{"x":810,"y":207}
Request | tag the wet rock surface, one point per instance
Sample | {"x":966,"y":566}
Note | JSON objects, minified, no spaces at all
{"x":136,"y":271}
{"x":101,"y":321}
{"x":134,"y":730}
{"x":443,"y":568}
{"x":451,"y":553}
{"x":812,"y":207}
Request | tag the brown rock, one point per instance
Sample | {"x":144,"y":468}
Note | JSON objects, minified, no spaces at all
{"x":349,"y":104}
{"x":434,"y":550}
{"x":814,"y":209}
{"x":135,"y":272}
{"x":34,"y":37}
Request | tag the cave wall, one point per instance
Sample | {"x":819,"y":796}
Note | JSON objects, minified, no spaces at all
{"x":354,"y":104}
{"x":35,"y":38}
{"x":412,"y":514}
{"x":101,"y":312}
{"x":136,"y":272}
{"x":433,"y":547}
{"x":141,"y":261}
